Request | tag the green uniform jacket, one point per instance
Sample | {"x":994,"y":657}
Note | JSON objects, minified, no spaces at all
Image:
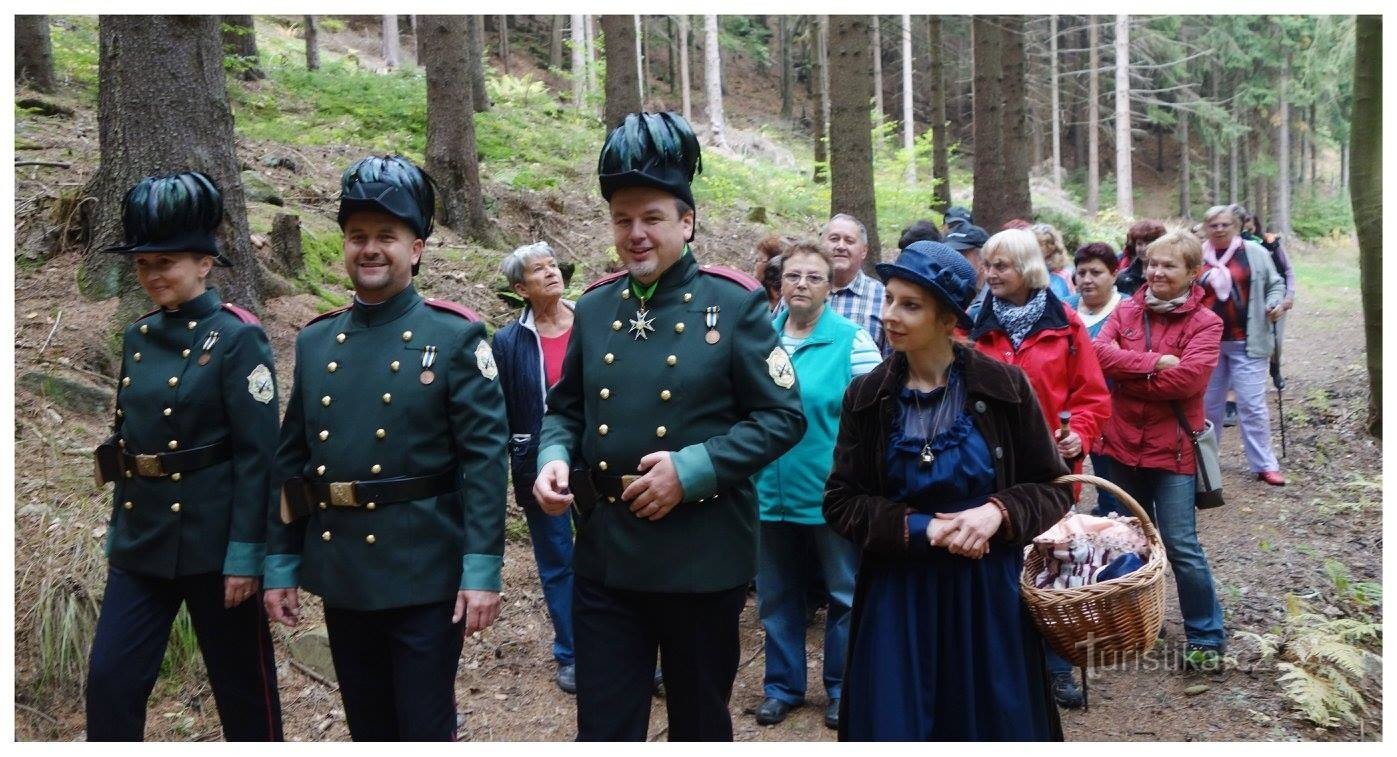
{"x":359,"y":411}
{"x":171,"y":398}
{"x":724,"y":409}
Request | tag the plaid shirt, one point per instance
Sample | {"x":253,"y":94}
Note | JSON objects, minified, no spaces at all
{"x":862,"y":303}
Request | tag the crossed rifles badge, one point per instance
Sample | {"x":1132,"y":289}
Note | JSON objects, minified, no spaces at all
{"x":778,"y":366}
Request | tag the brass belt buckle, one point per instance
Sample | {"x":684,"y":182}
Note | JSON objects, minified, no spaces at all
{"x":149,"y":466}
{"x":342,"y":494}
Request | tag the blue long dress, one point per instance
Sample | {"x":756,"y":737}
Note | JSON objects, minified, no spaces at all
{"x":942,"y":649}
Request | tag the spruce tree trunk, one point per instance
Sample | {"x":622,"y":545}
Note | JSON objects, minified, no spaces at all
{"x":312,"y":44}
{"x":1125,"y":194}
{"x":987,"y":43}
{"x":590,"y":35}
{"x":684,"y":84}
{"x":1185,"y":202}
{"x":555,"y":42}
{"x":451,"y":152}
{"x":475,"y":63}
{"x":783,"y":31}
{"x":503,"y":30}
{"x":389,"y":36}
{"x":1018,"y":202}
{"x":162,"y":107}
{"x":909,"y":125}
{"x":1234,"y":171}
{"x":240,"y":41}
{"x":579,"y":62}
{"x":1093,"y":117}
{"x":879,"y":114}
{"x":33,"y":53}
{"x":713,"y":80}
{"x":622,"y":84}
{"x":851,"y":135}
{"x":1365,"y":191}
{"x":1056,"y":101}
{"x":819,"y":79}
{"x":940,"y":162}
{"x":1281,"y":218}
{"x":1314,"y":149}
{"x":642,"y":66}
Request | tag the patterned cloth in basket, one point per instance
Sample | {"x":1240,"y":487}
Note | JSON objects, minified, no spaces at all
{"x":1084,"y":549}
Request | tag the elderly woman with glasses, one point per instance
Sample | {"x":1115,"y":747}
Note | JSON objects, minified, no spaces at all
{"x":828,"y":351}
{"x":529,"y":353}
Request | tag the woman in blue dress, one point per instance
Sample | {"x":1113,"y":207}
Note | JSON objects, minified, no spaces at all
{"x":943,"y":472}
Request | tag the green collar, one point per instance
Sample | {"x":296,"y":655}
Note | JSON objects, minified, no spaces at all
{"x":199,"y":307}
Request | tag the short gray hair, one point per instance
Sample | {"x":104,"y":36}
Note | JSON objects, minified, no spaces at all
{"x":863,"y":230}
{"x":1021,"y":247}
{"x":513,"y":264}
{"x":1218,"y":210}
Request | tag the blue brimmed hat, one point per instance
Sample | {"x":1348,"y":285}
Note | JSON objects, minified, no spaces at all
{"x":172,"y":213}
{"x":939,"y":269}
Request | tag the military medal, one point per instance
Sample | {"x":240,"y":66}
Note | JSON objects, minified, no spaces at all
{"x":209,"y":342}
{"x":641,"y":323}
{"x":710,"y":320}
{"x":429,"y":358}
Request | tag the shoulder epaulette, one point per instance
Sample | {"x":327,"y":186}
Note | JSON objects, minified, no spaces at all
{"x":732,"y":274}
{"x":452,"y":307}
{"x":607,"y":279}
{"x":326,"y":314}
{"x":242,"y":314}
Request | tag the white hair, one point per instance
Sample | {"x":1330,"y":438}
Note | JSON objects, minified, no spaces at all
{"x":513,"y":264}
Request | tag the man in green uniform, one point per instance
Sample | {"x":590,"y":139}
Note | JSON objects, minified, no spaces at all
{"x":674,"y":392}
{"x":393,"y":457}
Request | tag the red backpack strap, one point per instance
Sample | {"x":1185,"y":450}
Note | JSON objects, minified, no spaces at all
{"x":326,"y":314}
{"x":607,"y":279}
{"x":732,"y":274}
{"x":243,"y":314}
{"x":452,"y":307}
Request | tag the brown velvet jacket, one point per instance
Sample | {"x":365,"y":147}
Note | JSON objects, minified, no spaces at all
{"x":1007,"y":415}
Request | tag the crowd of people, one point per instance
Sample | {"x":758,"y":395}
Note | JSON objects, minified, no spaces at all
{"x":883,"y":443}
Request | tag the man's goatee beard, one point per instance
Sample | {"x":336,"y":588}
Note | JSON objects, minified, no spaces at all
{"x":643,"y":270}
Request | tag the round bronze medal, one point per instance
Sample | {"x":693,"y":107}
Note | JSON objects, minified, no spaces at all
{"x":427,"y":377}
{"x":204,"y":359}
{"x":712,"y":336}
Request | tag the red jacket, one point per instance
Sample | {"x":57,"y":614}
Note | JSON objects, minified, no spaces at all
{"x":1143,"y":431}
{"x":1061,"y":365}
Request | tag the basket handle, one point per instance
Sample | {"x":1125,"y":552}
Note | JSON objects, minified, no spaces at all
{"x":1139,"y":512}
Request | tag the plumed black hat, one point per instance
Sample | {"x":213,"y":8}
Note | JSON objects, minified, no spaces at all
{"x":172,"y":213}
{"x":389,"y":184}
{"x":650,"y":150}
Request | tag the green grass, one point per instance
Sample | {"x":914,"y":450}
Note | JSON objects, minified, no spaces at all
{"x":1328,"y":274}
{"x":74,"y":42}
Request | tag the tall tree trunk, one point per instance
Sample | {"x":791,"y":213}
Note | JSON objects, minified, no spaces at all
{"x":641,"y":65}
{"x":1056,"y":102}
{"x":451,"y":155}
{"x":503,"y":30}
{"x":851,"y":135}
{"x":1017,"y":201}
{"x":1125,"y":193}
{"x":312,"y":44}
{"x":1185,"y":202}
{"x":1344,"y":158}
{"x":987,"y":54}
{"x":416,"y":40}
{"x":684,"y":85}
{"x":622,"y":84}
{"x":240,"y":42}
{"x":591,"y":36}
{"x":909,"y":125}
{"x":940,"y":162}
{"x":555,"y":42}
{"x":33,"y":53}
{"x":783,"y":31}
{"x":1281,"y":218}
{"x":1215,"y":147}
{"x":389,"y":30}
{"x":878,"y":111}
{"x":162,"y":107}
{"x":1093,"y":117}
{"x":475,"y":63}
{"x":1314,"y":149}
{"x":713,"y":80}
{"x":579,"y":63}
{"x":1365,"y":192}
{"x":1234,"y":171}
{"x":819,"y":79}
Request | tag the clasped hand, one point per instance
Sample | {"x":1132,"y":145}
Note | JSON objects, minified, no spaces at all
{"x":966,"y":533}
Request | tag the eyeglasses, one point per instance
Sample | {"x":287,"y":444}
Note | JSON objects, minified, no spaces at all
{"x":813,"y":279}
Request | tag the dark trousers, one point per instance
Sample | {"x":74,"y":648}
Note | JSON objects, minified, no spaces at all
{"x":397,"y":671}
{"x":616,"y":634}
{"x":129,"y":644}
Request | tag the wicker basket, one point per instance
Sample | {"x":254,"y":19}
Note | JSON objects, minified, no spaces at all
{"x":1101,"y":624}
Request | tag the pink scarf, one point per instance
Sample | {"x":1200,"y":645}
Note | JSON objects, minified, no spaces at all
{"x":1218,"y":277}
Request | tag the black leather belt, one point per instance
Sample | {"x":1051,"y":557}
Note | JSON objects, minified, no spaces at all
{"x":162,"y":464}
{"x":301,"y":497}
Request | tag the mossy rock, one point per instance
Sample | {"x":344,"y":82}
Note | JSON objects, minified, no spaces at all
{"x":256,"y":188}
{"x":68,"y":392}
{"x":312,"y":649}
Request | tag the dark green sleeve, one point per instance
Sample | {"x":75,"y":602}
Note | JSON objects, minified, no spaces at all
{"x":772,"y":420}
{"x":481,"y":433}
{"x":560,"y":438}
{"x":253,"y":435}
{"x":282,"y":567}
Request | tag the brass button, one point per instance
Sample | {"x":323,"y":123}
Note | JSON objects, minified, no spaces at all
{"x":601,"y":465}
{"x":679,"y":328}
{"x":688,"y":297}
{"x":393,"y":366}
{"x":603,"y":429}
{"x":370,"y":539}
{"x":608,"y":358}
{"x":625,"y":294}
{"x":175,"y":477}
{"x":167,"y":411}
{"x":128,"y":473}
{"x":144,"y":328}
{"x":615,"y":325}
{"x":376,"y":469}
{"x":407,"y":336}
{"x":174,"y":444}
{"x":665,"y":395}
{"x":671,"y":360}
{"x":661,"y":431}
{"x":121,"y":443}
{"x":125,"y":380}
{"x":325,"y":401}
{"x":319,"y":470}
{"x":174,"y":508}
{"x":371,"y":506}
{"x":324,"y":506}
{"x":380,"y":433}
{"x":611,"y":500}
{"x":136,"y":357}
{"x":332,"y":367}
{"x":184,"y":352}
{"x":324,"y":435}
{"x":325,"y":536}
{"x":387,"y":398}
{"x":127,"y":505}
{"x":119,"y":412}
{"x":340,"y":337}
{"x":605,"y":393}
{"x":191,"y":325}
{"x":173,"y":382}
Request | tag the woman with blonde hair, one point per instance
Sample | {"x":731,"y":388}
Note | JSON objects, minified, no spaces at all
{"x":1055,"y":258}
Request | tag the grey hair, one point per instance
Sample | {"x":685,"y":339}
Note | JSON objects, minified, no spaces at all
{"x":863,"y":230}
{"x":1023,"y":252}
{"x":513,"y":264}
{"x":1218,"y":210}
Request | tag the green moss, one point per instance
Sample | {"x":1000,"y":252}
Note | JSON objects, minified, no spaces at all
{"x":74,"y":42}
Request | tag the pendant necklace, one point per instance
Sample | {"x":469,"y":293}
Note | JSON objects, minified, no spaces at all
{"x":927,"y":456}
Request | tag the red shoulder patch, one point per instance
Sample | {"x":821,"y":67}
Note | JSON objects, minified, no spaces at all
{"x":326,"y":314}
{"x":732,"y":274}
{"x":452,"y":307}
{"x":607,"y":279}
{"x":243,"y":314}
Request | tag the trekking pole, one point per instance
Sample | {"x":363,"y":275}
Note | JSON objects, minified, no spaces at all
{"x":1278,"y":381}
